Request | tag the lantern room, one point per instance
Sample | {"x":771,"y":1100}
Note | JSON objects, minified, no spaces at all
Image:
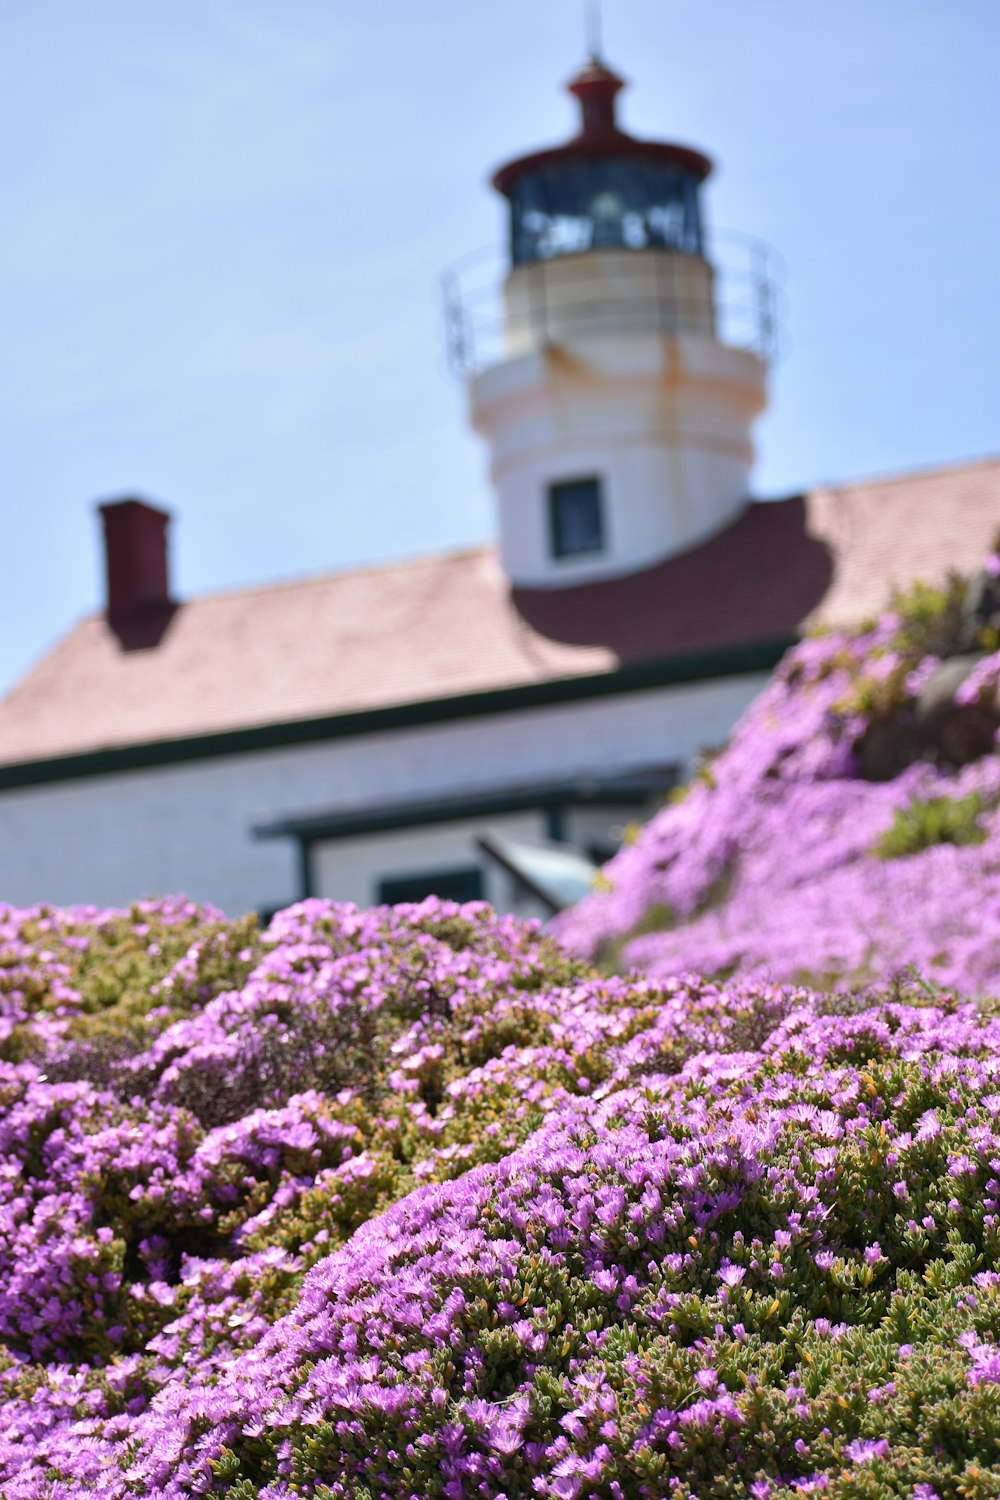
{"x":604,"y":188}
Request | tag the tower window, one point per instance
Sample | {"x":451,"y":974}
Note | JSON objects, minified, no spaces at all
{"x":576,"y":517}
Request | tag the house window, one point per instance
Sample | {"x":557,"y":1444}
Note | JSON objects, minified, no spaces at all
{"x":576,"y":518}
{"x":451,"y":885}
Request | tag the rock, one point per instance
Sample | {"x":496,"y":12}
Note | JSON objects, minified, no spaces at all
{"x":955,"y":733}
{"x":981,"y":608}
{"x":939,"y":691}
{"x":887,"y":749}
{"x":936,"y":729}
{"x":964,"y":733}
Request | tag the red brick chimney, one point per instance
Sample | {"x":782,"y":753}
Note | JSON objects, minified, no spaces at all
{"x":135,"y":550}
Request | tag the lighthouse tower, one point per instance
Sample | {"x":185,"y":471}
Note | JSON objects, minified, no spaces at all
{"x":618,"y":422}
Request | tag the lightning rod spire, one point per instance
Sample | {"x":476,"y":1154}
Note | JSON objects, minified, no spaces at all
{"x":592,"y":26}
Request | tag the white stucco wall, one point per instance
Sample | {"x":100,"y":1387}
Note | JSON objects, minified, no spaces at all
{"x":111,"y":839}
{"x":350,"y":869}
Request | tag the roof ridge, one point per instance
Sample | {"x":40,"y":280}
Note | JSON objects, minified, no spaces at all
{"x":329,"y":575}
{"x":897,"y":476}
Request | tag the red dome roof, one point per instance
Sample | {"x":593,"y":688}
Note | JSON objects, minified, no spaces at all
{"x":596,"y":86}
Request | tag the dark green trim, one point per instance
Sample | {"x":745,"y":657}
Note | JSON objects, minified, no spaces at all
{"x":733,"y":661}
{"x":550,"y":797}
{"x":306,"y":883}
{"x":464,"y":883}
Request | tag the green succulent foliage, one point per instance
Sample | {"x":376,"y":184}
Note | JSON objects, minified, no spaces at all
{"x":105,"y":979}
{"x":940,"y":820}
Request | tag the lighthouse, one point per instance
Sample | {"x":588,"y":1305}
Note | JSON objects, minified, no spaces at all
{"x":618,"y":418}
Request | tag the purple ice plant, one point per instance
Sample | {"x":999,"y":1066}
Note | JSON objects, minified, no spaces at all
{"x":748,"y":1256}
{"x":773,"y":863}
{"x":411,"y":1203}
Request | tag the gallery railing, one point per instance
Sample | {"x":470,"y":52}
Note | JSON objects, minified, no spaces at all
{"x":738,"y":297}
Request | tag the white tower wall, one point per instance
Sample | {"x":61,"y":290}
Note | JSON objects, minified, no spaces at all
{"x":659,"y":415}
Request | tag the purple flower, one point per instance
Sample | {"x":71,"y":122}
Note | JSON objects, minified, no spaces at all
{"x":864,"y":1450}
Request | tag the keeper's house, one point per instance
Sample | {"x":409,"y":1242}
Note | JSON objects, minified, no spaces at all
{"x":353,"y":734}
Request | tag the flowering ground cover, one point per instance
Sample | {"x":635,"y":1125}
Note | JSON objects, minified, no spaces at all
{"x":850,"y":829}
{"x":415,"y":1203}
{"x":409,"y":1203}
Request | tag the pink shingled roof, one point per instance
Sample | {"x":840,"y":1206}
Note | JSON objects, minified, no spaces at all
{"x":443,"y":626}
{"x":885,"y":533}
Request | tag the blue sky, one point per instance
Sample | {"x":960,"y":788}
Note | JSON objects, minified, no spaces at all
{"x":224,"y":221}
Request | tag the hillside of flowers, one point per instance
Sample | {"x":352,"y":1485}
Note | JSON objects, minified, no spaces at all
{"x":417,"y":1202}
{"x":851,"y":828}
{"x":407,"y":1203}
